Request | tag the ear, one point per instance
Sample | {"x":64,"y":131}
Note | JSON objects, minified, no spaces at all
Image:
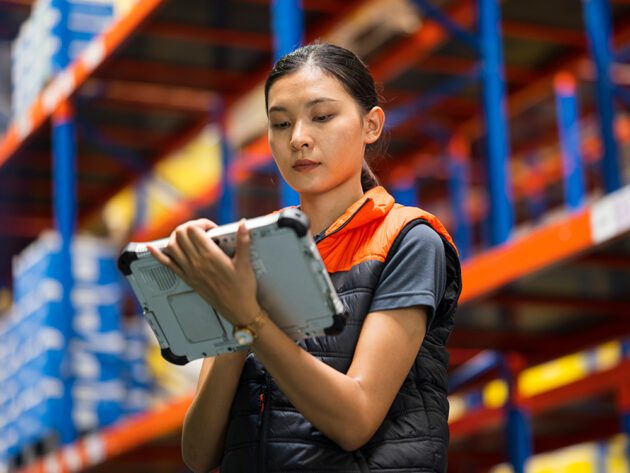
{"x":373,"y":124}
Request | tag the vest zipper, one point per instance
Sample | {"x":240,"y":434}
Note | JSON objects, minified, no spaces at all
{"x":263,"y":418}
{"x":317,"y":240}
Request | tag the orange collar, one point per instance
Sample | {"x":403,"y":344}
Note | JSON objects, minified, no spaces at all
{"x":374,"y":204}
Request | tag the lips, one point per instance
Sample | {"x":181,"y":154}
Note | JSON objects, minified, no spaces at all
{"x":305,"y":165}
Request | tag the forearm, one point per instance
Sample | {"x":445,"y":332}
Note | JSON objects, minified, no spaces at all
{"x":206,"y":421}
{"x":332,"y":401}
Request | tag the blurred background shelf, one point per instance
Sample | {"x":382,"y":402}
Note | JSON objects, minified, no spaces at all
{"x":164,"y":109}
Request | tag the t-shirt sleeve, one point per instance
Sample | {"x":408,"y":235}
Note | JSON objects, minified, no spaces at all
{"x":414,"y":275}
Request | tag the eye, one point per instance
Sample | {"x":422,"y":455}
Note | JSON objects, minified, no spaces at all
{"x":280,"y":125}
{"x":322,"y":118}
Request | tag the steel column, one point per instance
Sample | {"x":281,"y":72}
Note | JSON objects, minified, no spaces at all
{"x":519,"y":431}
{"x":65,"y":218}
{"x":405,"y":192}
{"x":623,"y":402}
{"x":598,"y":27}
{"x":569,"y":129}
{"x":459,"y":179}
{"x":493,"y":76}
{"x":227,"y":200}
{"x":288,"y":34}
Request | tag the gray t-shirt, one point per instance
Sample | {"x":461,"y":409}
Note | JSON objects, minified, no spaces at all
{"x":414,"y":275}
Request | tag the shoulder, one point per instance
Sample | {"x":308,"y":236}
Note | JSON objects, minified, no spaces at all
{"x":422,"y":236}
{"x":412,"y":225}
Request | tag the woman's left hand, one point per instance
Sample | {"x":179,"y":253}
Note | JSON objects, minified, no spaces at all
{"x":228,"y":284}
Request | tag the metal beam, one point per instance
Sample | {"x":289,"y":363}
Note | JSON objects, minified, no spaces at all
{"x":322,"y":6}
{"x":153,"y":72}
{"x":476,"y":367}
{"x":420,"y":44}
{"x":455,"y":65}
{"x":206,"y":35}
{"x":22,"y":226}
{"x":149,"y":96}
{"x":456,"y":30}
{"x":546,"y":34}
{"x":476,"y":422}
{"x":459,"y":356}
{"x":501,"y":340}
{"x":619,"y":262}
{"x":593,"y":385}
{"x":594,"y":306}
{"x":431,"y":98}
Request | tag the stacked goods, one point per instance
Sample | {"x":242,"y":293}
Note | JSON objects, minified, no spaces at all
{"x":97,"y":344}
{"x":53,"y":36}
{"x":34,"y":362}
{"x":138,"y":377}
{"x":66,"y":371}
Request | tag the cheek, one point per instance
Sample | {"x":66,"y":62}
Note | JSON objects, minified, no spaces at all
{"x":347,"y":141}
{"x":277,"y":150}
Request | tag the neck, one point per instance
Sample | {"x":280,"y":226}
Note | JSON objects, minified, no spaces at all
{"x":324,"y":208}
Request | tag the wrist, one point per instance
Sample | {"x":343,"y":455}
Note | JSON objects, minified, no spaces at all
{"x":245,"y":334}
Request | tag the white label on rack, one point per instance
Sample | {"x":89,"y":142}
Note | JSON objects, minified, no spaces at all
{"x":50,"y":97}
{"x":93,"y":55}
{"x":94,"y":448}
{"x":611,"y":215}
{"x":24,"y":125}
{"x":51,"y":463}
{"x":66,"y":83}
{"x":72,"y":458}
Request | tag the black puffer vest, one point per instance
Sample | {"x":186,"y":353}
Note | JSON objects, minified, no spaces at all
{"x":267,"y":434}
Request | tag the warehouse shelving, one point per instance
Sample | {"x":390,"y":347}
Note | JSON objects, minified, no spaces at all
{"x":555,"y":287}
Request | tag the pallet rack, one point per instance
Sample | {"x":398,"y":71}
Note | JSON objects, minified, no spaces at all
{"x":159,"y":74}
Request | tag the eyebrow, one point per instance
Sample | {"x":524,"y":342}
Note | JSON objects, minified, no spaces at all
{"x":311,"y":103}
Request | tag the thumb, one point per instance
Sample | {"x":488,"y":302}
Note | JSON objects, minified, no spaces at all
{"x":243,"y":244}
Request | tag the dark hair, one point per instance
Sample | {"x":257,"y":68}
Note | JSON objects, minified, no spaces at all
{"x":352,"y":73}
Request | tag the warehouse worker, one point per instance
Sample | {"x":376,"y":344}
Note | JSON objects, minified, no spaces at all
{"x":372,"y":398}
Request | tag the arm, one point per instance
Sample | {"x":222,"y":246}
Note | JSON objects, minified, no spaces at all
{"x":206,"y":421}
{"x":347,"y":408}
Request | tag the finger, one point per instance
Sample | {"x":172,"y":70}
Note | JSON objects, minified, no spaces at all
{"x":187,"y":246}
{"x":174,"y":250}
{"x":164,"y":259}
{"x":243,"y":245}
{"x":204,"y":245}
{"x":204,"y":223}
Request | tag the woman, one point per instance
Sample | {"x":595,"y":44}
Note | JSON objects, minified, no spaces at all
{"x":372,"y":398}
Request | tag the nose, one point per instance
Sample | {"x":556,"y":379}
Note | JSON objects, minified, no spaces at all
{"x":300,"y":138}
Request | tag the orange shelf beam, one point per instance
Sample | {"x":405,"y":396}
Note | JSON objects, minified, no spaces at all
{"x":110,"y":442}
{"x":546,"y":246}
{"x":67,"y":82}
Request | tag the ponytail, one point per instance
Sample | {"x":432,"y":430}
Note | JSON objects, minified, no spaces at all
{"x":368,"y":178}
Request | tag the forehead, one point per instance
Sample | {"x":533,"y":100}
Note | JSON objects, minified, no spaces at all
{"x":304,"y":85}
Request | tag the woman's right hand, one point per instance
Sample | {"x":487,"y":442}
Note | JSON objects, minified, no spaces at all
{"x":177,"y":253}
{"x":227,"y":284}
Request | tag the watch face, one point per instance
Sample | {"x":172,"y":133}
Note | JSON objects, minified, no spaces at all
{"x":244,"y":336}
